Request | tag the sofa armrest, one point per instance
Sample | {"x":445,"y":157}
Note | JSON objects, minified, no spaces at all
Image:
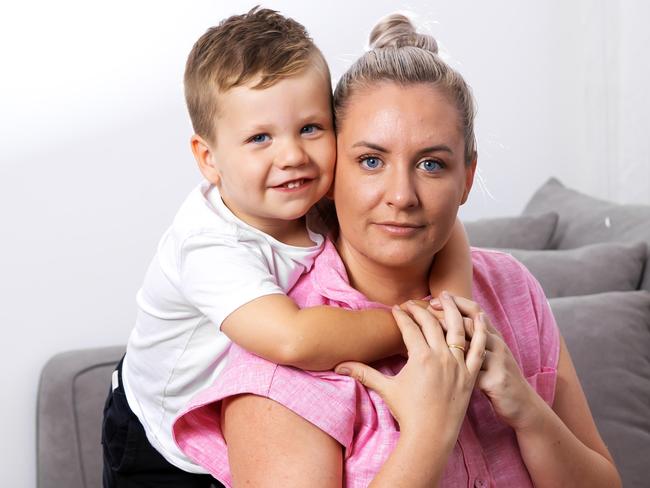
{"x":71,"y":395}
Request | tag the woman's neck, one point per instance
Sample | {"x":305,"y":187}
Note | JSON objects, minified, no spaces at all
{"x":381,"y":283}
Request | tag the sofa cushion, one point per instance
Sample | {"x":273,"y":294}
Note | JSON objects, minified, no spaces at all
{"x":585,"y":270}
{"x":608,"y":337}
{"x":523,"y":232}
{"x":587,"y":220}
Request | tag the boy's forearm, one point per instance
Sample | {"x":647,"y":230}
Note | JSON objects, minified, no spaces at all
{"x":452,"y":267}
{"x":325,"y":336}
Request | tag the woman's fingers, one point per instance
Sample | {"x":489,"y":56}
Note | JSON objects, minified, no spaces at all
{"x":365,"y":375}
{"x":477,"y":352}
{"x":429,"y":325}
{"x":455,"y":330}
{"x":410,"y":331}
{"x":467,"y":308}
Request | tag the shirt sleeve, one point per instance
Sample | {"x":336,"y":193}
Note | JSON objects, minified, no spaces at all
{"x":544,"y":381}
{"x":324,"y":399}
{"x":220,"y":274}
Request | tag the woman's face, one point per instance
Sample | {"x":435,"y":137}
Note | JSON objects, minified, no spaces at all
{"x":400,"y":174}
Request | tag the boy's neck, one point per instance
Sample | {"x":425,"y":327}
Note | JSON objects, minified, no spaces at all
{"x":291,"y":232}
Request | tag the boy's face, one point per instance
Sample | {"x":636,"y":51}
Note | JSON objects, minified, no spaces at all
{"x":274,"y":149}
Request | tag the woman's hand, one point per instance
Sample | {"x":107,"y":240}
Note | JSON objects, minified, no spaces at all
{"x":432,"y":391}
{"x":500,"y":377}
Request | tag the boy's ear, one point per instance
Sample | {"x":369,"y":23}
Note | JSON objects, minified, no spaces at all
{"x":205,"y":158}
{"x":470,"y":169}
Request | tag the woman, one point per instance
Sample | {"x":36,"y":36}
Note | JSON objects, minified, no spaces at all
{"x":406,"y":161}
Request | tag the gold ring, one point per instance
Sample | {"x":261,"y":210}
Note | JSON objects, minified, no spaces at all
{"x":456,"y":346}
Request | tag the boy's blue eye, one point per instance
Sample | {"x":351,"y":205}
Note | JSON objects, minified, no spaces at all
{"x":259,"y":138}
{"x":430,"y":165}
{"x":309,"y":129}
{"x":371,"y":162}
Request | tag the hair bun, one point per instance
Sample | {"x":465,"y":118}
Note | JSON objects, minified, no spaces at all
{"x":397,"y":30}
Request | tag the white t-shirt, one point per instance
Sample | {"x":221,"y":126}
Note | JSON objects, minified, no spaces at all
{"x":208,"y":264}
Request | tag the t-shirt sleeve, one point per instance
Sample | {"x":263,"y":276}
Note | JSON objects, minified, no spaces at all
{"x":220,"y":274}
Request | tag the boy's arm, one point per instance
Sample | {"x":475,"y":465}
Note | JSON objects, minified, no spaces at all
{"x":316,"y":338}
{"x":452,"y":267}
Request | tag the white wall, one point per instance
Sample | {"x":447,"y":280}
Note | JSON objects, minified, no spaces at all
{"x":94,"y":156}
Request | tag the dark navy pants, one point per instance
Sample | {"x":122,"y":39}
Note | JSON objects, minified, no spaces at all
{"x":130,"y":461}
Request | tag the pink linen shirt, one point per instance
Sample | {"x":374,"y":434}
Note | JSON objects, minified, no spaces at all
{"x":486,"y":453}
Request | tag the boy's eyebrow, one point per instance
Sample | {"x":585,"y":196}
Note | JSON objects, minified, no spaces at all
{"x":256,"y":128}
{"x":318,"y":114}
{"x":429,"y":149}
{"x":266,"y":127}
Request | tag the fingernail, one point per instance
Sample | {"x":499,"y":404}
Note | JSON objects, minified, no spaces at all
{"x":343,"y":370}
{"x":481,"y":317}
{"x":434,"y":302}
{"x":445,"y":294}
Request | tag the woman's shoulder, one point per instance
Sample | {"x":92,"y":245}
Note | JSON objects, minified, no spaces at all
{"x":515,"y":301}
{"x":497,"y":265}
{"x":499,"y":276}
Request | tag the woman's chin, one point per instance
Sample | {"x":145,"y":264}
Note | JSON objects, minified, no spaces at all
{"x":403,"y":255}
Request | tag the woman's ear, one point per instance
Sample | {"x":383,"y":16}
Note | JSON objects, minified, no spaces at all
{"x":470,"y":169}
{"x":205,"y":158}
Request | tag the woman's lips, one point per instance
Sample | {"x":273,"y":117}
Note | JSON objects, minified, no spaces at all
{"x":399,"y":228}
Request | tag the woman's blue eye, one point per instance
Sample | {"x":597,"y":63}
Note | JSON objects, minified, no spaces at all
{"x":258,"y":138}
{"x":371,"y":163}
{"x":308,"y":129}
{"x":430,"y":165}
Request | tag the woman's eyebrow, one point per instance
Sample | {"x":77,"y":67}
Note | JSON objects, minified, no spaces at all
{"x":424,"y":150}
{"x":370,"y":145}
{"x":436,"y":148}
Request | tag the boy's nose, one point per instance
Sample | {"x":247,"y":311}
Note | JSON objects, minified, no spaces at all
{"x":292,"y":154}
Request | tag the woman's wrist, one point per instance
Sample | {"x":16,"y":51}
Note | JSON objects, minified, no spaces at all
{"x":533,"y":413}
{"x":422,"y":433}
{"x":432,"y":446}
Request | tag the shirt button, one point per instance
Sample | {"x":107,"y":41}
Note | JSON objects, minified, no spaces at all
{"x":480,"y":483}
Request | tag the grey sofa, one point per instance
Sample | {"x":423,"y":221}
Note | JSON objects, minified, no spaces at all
{"x":590,"y":257}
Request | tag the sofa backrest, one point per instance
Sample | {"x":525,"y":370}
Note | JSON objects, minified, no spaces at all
{"x":587,"y":220}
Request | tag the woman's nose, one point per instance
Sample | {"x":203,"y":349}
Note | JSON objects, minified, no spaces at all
{"x":400,"y":190}
{"x":291,"y":154}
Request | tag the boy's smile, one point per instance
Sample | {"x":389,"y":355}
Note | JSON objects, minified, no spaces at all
{"x":273,"y":150}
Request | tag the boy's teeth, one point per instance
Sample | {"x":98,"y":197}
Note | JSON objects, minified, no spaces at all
{"x":294,"y":184}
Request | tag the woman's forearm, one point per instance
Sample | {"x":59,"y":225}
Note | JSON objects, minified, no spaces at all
{"x":548,"y":444}
{"x":416,"y":462}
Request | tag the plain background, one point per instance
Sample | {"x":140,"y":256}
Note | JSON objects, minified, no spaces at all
{"x":95,"y":156}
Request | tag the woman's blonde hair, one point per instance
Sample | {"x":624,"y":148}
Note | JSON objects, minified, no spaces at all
{"x":400,"y":54}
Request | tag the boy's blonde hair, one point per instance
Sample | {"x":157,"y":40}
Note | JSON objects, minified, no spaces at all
{"x":260,"y":45}
{"x":402,"y":55}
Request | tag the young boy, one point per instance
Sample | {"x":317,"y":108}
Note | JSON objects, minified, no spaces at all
{"x":259,"y":95}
